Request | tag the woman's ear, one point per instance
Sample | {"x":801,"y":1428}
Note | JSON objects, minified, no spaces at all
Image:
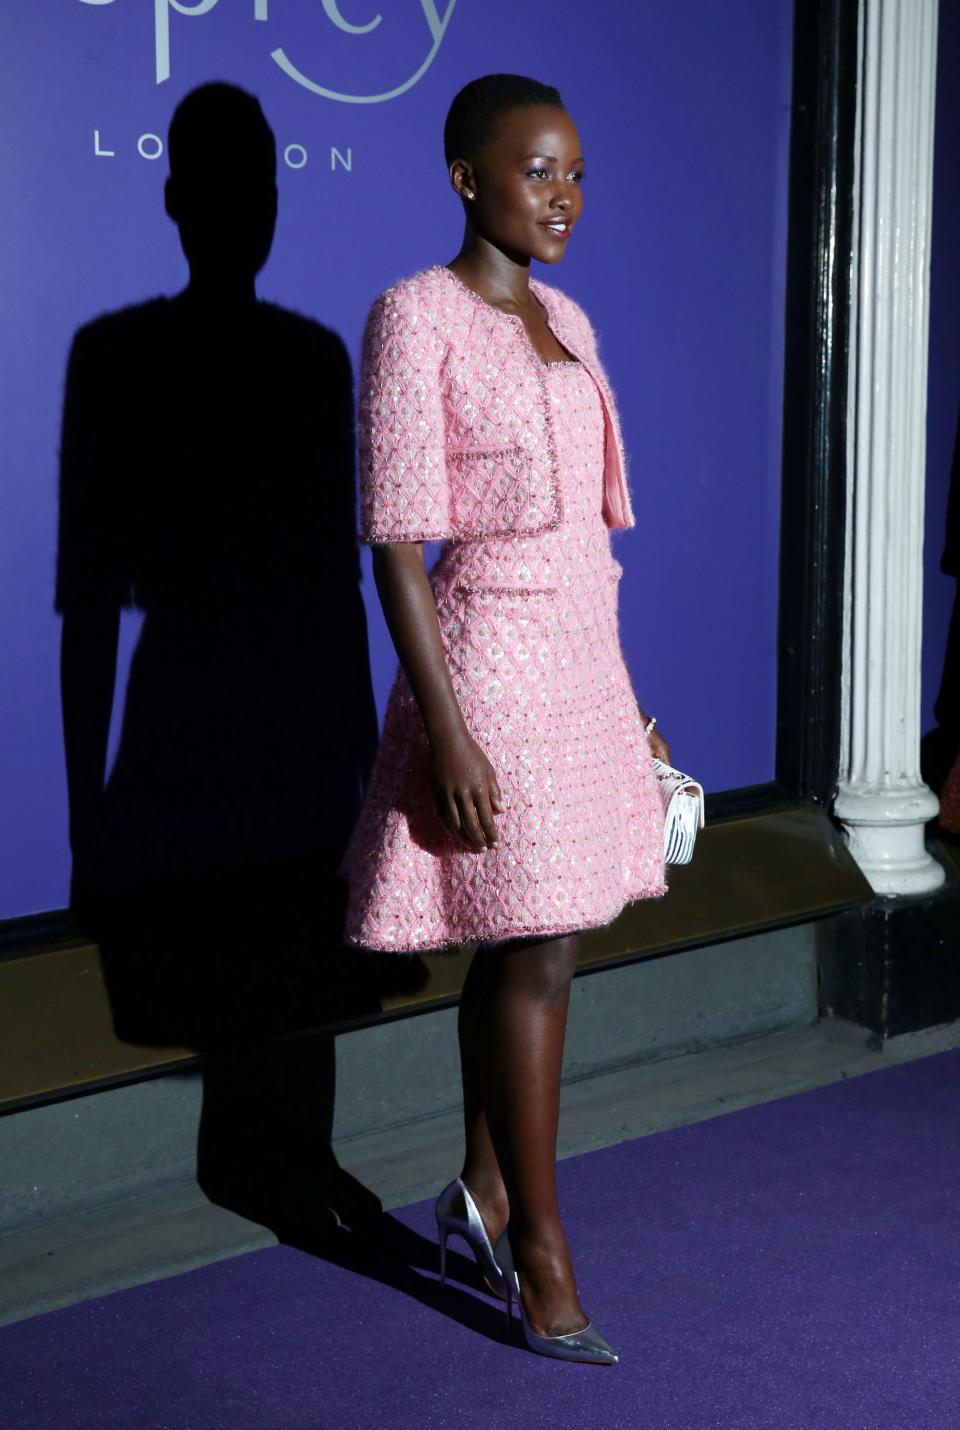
{"x":462,"y":179}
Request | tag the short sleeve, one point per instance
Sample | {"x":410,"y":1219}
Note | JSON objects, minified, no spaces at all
{"x":404,"y":488}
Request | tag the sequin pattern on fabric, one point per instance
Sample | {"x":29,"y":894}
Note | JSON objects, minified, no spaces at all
{"x":455,"y":441}
{"x":529,"y":629}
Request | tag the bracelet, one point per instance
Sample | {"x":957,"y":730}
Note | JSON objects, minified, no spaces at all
{"x":650,"y":724}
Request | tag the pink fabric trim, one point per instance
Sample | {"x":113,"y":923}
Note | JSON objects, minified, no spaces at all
{"x":456,"y":438}
{"x":529,"y":632}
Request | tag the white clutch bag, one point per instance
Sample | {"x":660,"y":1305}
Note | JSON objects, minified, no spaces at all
{"x":683,"y":812}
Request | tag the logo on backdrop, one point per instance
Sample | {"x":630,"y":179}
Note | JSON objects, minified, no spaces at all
{"x":435,"y":26}
{"x":295,"y":156}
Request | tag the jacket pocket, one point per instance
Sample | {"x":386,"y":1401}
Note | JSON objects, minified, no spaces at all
{"x":490,"y":488}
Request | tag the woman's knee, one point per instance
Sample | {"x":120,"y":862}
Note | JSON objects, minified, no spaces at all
{"x":543,"y":970}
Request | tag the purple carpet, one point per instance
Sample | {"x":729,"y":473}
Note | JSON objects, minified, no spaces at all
{"x":794,"y":1266}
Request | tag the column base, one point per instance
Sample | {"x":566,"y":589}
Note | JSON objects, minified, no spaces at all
{"x":894,"y":965}
{"x":885,"y":833}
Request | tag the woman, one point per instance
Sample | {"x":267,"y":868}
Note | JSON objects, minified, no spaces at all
{"x":513,"y":802}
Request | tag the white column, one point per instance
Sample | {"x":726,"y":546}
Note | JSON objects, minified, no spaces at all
{"x":882,"y":801}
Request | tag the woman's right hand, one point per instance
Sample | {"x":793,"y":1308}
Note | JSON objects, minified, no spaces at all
{"x":465,"y":790}
{"x":465,"y":787}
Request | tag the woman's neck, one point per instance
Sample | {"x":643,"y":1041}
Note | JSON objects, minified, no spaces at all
{"x":500,"y":278}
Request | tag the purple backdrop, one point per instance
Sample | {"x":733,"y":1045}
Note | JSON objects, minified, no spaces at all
{"x":679,"y":259}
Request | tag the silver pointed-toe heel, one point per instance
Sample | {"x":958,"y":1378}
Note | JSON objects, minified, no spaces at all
{"x":471,"y":1228}
{"x":586,"y":1345}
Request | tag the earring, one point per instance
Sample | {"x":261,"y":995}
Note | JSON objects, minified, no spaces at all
{"x":468,"y":193}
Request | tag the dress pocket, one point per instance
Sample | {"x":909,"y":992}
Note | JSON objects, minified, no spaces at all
{"x":502,"y":646}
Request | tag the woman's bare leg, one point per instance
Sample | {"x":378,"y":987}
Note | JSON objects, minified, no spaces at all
{"x":481,"y":1170}
{"x":512,"y":1044}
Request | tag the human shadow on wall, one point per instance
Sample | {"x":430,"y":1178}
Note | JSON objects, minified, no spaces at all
{"x":207,"y":480}
{"x":940,"y":747}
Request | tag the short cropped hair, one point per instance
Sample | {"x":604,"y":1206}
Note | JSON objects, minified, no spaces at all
{"x":223,"y":123}
{"x":475,"y":112}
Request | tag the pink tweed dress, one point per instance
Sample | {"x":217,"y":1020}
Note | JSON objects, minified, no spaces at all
{"x":529,"y":629}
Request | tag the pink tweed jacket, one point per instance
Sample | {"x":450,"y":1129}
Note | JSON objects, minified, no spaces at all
{"x":455,"y":432}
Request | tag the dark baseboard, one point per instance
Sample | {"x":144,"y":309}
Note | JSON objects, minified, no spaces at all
{"x":36,"y":931}
{"x":893,"y":965}
{"x":747,"y":799}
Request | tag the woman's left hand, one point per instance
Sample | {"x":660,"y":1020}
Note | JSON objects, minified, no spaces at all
{"x":659,"y":746}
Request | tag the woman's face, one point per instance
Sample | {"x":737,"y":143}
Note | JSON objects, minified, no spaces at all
{"x":523,"y":189}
